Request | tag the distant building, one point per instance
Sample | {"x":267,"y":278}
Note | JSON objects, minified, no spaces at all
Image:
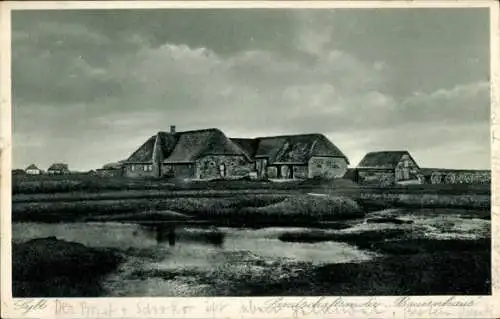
{"x":388,"y":168}
{"x":209,"y":153}
{"x":18,"y":171}
{"x":58,"y":168}
{"x":33,"y":170}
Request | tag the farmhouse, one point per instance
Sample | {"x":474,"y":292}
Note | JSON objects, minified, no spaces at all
{"x":388,"y":168}
{"x":209,"y":153}
{"x":199,"y":154}
{"x":33,"y":170}
{"x":58,"y":168}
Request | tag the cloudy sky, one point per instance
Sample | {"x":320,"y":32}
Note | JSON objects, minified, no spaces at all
{"x":90,"y":86}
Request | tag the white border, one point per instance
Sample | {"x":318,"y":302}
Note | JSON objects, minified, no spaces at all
{"x":483,"y":306}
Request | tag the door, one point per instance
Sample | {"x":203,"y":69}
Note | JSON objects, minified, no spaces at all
{"x":406,"y":170}
{"x":284,"y":172}
{"x":222,"y":170}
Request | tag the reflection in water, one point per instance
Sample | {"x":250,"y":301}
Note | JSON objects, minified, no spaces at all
{"x":170,"y":233}
{"x":165,"y":233}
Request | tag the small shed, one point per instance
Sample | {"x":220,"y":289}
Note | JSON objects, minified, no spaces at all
{"x":387,"y":168}
{"x":33,"y":170}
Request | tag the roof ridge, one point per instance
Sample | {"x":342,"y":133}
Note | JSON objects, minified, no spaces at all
{"x":388,"y":151}
{"x":192,"y":131}
{"x":289,"y":135}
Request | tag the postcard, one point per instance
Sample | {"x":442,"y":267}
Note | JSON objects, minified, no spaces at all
{"x":249,"y":159}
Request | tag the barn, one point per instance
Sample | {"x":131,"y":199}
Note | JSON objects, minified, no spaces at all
{"x":209,"y":154}
{"x":387,"y":168}
{"x":295,"y":156}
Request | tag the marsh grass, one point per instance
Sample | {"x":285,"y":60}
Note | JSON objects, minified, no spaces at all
{"x":245,"y":209}
{"x":47,"y":184}
{"x":379,"y":200}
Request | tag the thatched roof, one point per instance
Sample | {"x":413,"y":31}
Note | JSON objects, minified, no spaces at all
{"x":187,"y":146}
{"x":144,"y":153}
{"x":290,"y":148}
{"x":32,"y":166}
{"x":249,"y":145}
{"x":58,"y":167}
{"x":194,"y":144}
{"x":384,"y":159}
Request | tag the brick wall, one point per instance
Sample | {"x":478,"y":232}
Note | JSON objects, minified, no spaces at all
{"x":327,"y":167}
{"x":376,"y":177}
{"x":235,"y":166}
{"x":137,"y":170}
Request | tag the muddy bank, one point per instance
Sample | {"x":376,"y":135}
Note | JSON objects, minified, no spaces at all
{"x":452,"y":273}
{"x":49,"y":267}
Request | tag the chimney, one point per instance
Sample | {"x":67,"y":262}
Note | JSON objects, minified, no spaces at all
{"x":172,"y":128}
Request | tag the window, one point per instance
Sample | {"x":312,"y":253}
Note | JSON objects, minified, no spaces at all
{"x":132,"y":168}
{"x":318,"y":165}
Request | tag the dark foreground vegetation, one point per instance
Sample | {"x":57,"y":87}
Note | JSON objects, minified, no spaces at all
{"x":48,"y":267}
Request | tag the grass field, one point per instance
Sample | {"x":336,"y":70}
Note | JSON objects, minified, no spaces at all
{"x":83,"y":197}
{"x":243,"y":209}
{"x":30,"y":184}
